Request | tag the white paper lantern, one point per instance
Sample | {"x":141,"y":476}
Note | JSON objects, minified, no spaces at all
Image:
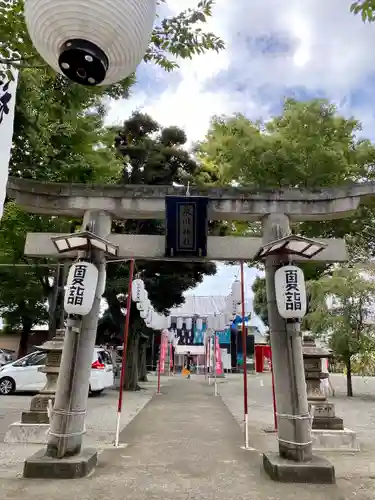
{"x":227,"y":320}
{"x":138,"y":289}
{"x":199,"y":324}
{"x":290,"y":292}
{"x":220,"y":322}
{"x":189,"y":324}
{"x":166,"y":322}
{"x":143,"y":305}
{"x":149,"y":317}
{"x":231,"y":305}
{"x":179,"y":323}
{"x":211,"y":322}
{"x":228,"y":304}
{"x":92,"y":42}
{"x":143,"y":314}
{"x":236,"y":291}
{"x":80,"y":288}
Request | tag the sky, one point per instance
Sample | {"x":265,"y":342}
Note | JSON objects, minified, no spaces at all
{"x":274,"y":49}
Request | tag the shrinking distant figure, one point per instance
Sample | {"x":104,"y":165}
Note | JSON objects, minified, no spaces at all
{"x":188,"y":364}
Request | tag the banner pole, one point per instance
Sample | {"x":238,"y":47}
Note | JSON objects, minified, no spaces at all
{"x":158,"y":393}
{"x":246,"y":415}
{"x":124,"y":351}
{"x":214,"y":361}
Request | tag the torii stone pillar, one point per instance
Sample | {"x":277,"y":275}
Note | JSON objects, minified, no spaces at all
{"x":295,"y":461}
{"x":64,"y":456}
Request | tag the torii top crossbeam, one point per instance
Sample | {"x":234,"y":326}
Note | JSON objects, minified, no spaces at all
{"x":148,"y":202}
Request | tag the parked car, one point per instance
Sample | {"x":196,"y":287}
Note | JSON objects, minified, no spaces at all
{"x":6,"y":356}
{"x":24,"y":375}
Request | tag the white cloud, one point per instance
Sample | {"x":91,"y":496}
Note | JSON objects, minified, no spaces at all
{"x":330,"y":50}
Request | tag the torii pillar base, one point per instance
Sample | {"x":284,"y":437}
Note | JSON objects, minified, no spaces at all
{"x":41,"y":466}
{"x":315,"y":471}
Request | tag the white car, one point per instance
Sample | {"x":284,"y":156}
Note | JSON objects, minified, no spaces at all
{"x":23,"y":375}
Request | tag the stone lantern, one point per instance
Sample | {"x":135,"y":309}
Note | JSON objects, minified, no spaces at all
{"x":323,"y":412}
{"x":35,"y":422}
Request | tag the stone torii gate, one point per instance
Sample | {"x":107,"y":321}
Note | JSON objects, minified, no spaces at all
{"x":276,"y":209}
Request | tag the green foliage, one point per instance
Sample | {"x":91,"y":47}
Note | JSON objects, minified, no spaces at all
{"x":366,"y":8}
{"x":24,"y":291}
{"x":179,"y":37}
{"x":153,"y":155}
{"x":342,"y":309}
{"x":59,"y":132}
{"x":309,"y":146}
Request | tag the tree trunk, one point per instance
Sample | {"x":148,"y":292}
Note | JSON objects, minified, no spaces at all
{"x":349,"y":382}
{"x":132,"y":357}
{"x":52,"y":303}
{"x":143,"y":363}
{"x":24,"y":341}
{"x":57,"y":315}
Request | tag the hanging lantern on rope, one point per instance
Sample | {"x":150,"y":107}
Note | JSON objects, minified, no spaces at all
{"x":144,"y":304}
{"x":80,"y":288}
{"x":236,"y":291}
{"x":211,"y":322}
{"x":228,"y":304}
{"x":227,"y":320}
{"x":143,"y":314}
{"x":220,"y":322}
{"x":199,"y":324}
{"x":231,"y":305}
{"x":91,"y":42}
{"x":179,"y":323}
{"x":148,"y":319}
{"x":189,"y":324}
{"x":138,"y":288}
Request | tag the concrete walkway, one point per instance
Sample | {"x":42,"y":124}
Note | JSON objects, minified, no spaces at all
{"x":184,"y":445}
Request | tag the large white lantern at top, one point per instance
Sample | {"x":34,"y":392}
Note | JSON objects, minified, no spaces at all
{"x":92,"y":42}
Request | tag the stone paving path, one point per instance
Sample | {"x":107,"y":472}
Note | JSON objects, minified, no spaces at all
{"x":184,"y":445}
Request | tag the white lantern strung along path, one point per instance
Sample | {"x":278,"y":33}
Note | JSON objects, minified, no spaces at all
{"x":144,"y":313}
{"x":199,"y":324}
{"x":227,"y":320}
{"x":92,"y":42}
{"x":290,"y":292}
{"x":81,"y":288}
{"x":179,"y":323}
{"x":211,"y":322}
{"x":189,"y":324}
{"x":138,"y":289}
{"x":143,"y":305}
{"x":236,"y":291}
